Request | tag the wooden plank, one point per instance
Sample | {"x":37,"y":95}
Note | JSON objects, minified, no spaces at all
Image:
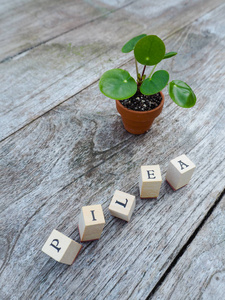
{"x":46,"y":76}
{"x":199,"y":274}
{"x":27,"y":24}
{"x":68,"y":159}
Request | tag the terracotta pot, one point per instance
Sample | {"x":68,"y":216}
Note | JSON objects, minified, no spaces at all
{"x":138,"y":122}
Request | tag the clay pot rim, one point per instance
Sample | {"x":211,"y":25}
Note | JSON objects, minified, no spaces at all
{"x":142,"y":112}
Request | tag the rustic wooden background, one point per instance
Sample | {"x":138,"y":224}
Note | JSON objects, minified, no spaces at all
{"x":63,"y":146}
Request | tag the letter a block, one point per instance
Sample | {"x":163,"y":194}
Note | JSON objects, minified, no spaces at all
{"x":179,"y":171}
{"x":150,"y":181}
{"x":61,"y":248}
{"x":91,"y":222}
{"x":122,"y":205}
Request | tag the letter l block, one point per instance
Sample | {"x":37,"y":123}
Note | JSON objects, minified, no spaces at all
{"x":150,"y":181}
{"x":61,"y":248}
{"x":122,"y":205}
{"x":179,"y":171}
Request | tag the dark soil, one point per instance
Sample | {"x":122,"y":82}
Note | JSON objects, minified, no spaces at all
{"x":140,"y":102}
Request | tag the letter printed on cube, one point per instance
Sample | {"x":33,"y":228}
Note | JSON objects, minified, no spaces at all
{"x":61,"y":248}
{"x":122,"y":205}
{"x":91,"y":222}
{"x":150,"y":181}
{"x":179,"y":171}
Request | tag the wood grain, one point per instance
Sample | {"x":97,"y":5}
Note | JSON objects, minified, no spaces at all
{"x":37,"y":80}
{"x":27,"y":24}
{"x":200,"y":271}
{"x":79,"y":154}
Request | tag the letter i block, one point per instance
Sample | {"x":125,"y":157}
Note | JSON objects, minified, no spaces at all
{"x":91,"y":222}
{"x":122,"y":205}
{"x":61,"y":248}
{"x":150,"y":181}
{"x":179,"y":171}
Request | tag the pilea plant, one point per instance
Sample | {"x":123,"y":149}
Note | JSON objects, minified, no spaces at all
{"x":149,"y":50}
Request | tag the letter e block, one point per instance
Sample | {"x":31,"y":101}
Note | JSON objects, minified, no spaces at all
{"x":61,"y":248}
{"x":179,"y":171}
{"x":122,"y":205}
{"x":91,"y":222}
{"x":150,"y":181}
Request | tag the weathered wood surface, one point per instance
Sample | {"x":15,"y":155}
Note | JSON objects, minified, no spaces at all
{"x":203,"y":263}
{"x":28,"y":24}
{"x":78,"y":153}
{"x":39,"y":79}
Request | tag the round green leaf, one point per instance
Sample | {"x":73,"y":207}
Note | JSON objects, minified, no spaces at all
{"x":129,"y":46}
{"x":117,"y":84}
{"x":181,"y":94}
{"x":155,"y":84}
{"x":169,"y":54}
{"x":150,"y":50}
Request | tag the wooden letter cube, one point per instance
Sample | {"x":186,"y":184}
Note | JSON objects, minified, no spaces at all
{"x":91,"y":222}
{"x":122,"y":205}
{"x":61,"y":248}
{"x":179,"y":171}
{"x":150,"y":181}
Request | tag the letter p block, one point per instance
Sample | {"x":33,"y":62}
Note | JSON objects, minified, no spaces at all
{"x":61,"y":248}
{"x":91,"y":222}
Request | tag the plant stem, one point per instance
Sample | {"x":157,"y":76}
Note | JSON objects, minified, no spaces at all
{"x":152,"y":71}
{"x":143,"y":72}
{"x":136,"y":68}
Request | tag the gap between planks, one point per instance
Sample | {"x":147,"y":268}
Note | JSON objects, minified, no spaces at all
{"x":186,"y":245}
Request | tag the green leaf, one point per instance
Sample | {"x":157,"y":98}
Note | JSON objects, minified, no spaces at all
{"x":117,"y":84}
{"x":150,"y":50}
{"x":169,"y":54}
{"x":129,"y":46}
{"x":155,"y":84}
{"x":181,"y":93}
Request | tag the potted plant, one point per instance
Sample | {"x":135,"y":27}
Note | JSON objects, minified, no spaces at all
{"x":140,"y":101}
